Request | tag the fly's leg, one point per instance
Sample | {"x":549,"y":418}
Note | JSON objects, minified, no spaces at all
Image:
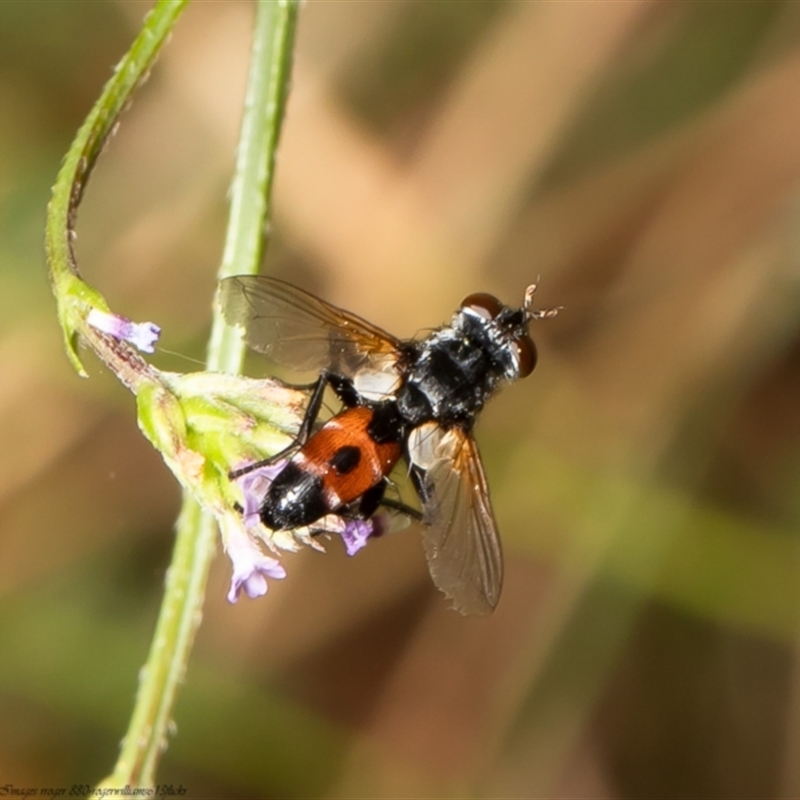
{"x":418,"y":481}
{"x":366,"y":505}
{"x":396,"y":505}
{"x":344,"y":389}
{"x":371,"y":499}
{"x":306,"y":426}
{"x":417,"y":476}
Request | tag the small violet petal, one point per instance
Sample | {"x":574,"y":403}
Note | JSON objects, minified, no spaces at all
{"x":254,"y":485}
{"x":356,"y":533}
{"x":142,"y":335}
{"x":250,"y":566}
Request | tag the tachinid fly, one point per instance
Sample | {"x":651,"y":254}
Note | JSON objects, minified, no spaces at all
{"x":415,"y":400}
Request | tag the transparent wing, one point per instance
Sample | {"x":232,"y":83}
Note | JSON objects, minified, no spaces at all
{"x":461,"y":542}
{"x":298,"y":330}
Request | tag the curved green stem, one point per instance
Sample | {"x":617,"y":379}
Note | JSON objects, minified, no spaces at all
{"x":266,"y":92}
{"x":74,"y":297}
{"x":196,"y":539}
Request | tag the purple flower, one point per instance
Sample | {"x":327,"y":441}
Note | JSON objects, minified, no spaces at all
{"x":356,"y":533}
{"x":254,"y":485}
{"x":142,"y":335}
{"x":251,"y":567}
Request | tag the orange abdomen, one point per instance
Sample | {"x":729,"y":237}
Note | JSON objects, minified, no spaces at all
{"x":347,"y":458}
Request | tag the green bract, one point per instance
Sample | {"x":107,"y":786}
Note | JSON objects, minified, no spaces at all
{"x":204,"y":424}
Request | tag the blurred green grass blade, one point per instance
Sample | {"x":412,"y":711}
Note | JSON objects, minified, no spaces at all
{"x":615,"y":545}
{"x":701,"y":51}
{"x":705,"y":561}
{"x":268,"y":744}
{"x":551,"y":716}
{"x":75,"y":661}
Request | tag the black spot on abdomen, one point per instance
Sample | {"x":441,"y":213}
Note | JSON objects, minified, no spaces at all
{"x":345,"y":459}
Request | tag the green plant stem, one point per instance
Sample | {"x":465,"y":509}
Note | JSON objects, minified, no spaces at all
{"x":180,"y":614}
{"x":265,"y":100}
{"x":74,"y":296}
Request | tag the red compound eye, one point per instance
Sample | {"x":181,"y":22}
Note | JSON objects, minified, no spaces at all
{"x":526,"y":351}
{"x":485,"y":305}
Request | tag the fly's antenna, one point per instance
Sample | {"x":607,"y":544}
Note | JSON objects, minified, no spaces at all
{"x":537,"y":313}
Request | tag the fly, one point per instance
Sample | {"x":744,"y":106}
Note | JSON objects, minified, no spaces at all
{"x":413,"y":400}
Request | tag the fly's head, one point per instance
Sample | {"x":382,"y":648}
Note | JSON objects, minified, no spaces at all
{"x":507,"y":330}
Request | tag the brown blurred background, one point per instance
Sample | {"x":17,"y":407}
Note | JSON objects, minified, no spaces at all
{"x":644,"y":159}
